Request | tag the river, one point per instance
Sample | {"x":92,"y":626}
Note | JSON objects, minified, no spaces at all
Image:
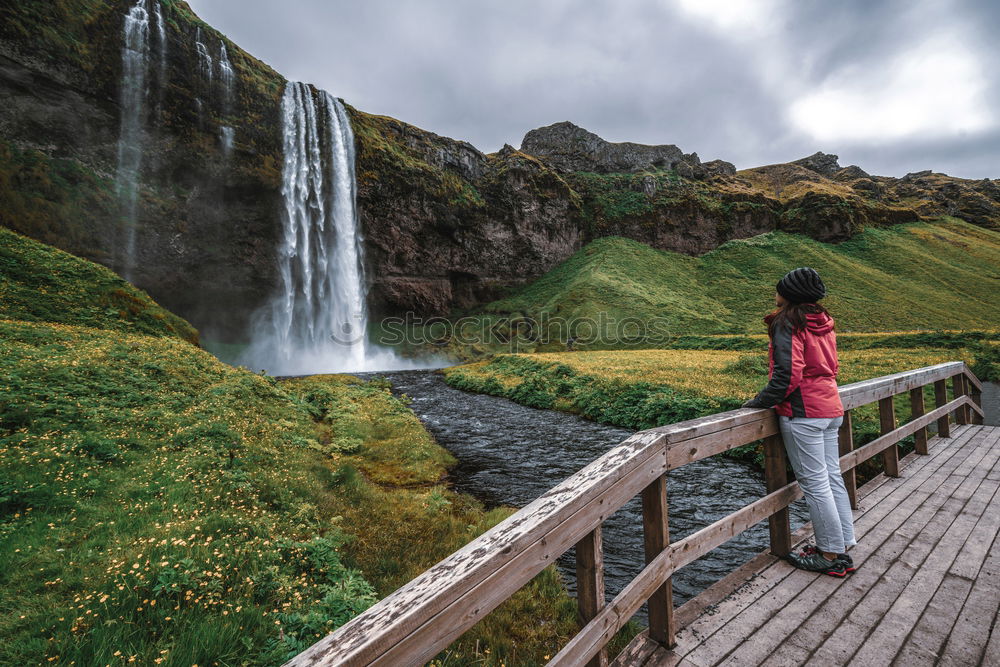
{"x":510,"y":454}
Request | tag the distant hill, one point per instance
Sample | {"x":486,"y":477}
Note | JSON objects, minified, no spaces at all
{"x":926,"y":275}
{"x":39,"y":283}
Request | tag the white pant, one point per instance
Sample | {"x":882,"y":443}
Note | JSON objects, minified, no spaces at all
{"x":811,"y":443}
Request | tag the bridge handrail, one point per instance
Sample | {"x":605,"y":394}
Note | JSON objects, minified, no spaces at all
{"x":424,"y":616}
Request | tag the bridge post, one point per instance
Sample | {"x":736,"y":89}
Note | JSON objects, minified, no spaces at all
{"x":977,"y":398}
{"x":845,"y":438}
{"x":958,"y":388}
{"x":917,"y":410}
{"x":656,"y":534}
{"x":940,"y":398}
{"x":887,"y":421}
{"x":590,"y":584}
{"x":775,"y":477}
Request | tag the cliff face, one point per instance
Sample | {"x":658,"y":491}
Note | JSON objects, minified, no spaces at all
{"x":445,"y":225}
{"x":206,"y":225}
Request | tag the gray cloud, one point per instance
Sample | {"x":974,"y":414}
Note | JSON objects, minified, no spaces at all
{"x":641,"y":70}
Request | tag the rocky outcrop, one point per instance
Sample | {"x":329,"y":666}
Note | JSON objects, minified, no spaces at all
{"x":567,"y":148}
{"x":822,"y":163}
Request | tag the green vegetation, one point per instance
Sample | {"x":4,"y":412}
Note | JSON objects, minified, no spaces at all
{"x":614,"y":197}
{"x":986,"y":364}
{"x":59,"y":30}
{"x":172,"y":508}
{"x":39,"y":283}
{"x":539,"y":382}
{"x":56,"y":200}
{"x":385,"y":159}
{"x":919,"y":276}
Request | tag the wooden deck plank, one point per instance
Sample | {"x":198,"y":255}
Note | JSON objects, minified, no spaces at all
{"x":878,"y":548}
{"x":991,"y":657}
{"x":793,"y":608}
{"x":966,"y":643}
{"x":923,"y":645}
{"x":778,"y":572}
{"x":762,"y":609}
{"x":852,"y":632}
{"x":927,"y":640}
{"x":900,"y":620}
{"x":871,"y":498}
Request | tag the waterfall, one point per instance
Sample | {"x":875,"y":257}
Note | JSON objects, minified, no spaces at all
{"x":204,"y":60}
{"x":226,"y":76}
{"x":317,"y":320}
{"x":135,"y":65}
{"x":226,"y":137}
{"x":161,"y":34}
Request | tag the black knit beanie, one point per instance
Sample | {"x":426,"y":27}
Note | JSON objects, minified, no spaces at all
{"x":802,"y":285}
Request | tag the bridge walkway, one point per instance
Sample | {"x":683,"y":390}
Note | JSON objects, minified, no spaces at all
{"x":926,"y":590}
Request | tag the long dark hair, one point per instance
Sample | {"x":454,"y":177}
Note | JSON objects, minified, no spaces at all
{"x":791,"y":314}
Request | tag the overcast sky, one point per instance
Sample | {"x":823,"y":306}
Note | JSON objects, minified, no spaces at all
{"x":893,"y":86}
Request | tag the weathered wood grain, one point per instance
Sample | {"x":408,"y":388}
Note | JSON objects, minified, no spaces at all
{"x":875,"y":531}
{"x":656,"y":537}
{"x":868,"y":391}
{"x":958,"y":389}
{"x":887,"y":422}
{"x":941,"y":398}
{"x":638,"y":651}
{"x":882,"y":442}
{"x":900,"y":618}
{"x":750,"y":621}
{"x":845,"y":444}
{"x":843,"y":621}
{"x":590,"y":583}
{"x":775,"y":477}
{"x":404,"y":612}
{"x":917,"y":410}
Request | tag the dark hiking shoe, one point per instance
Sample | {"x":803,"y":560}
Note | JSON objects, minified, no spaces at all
{"x":846,"y":559}
{"x":848,"y":563}
{"x":817,"y":563}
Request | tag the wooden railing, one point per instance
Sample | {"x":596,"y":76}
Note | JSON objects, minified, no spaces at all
{"x":423,"y":617}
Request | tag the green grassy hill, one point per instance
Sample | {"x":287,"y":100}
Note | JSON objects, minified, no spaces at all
{"x":39,"y":283}
{"x":929,"y":275}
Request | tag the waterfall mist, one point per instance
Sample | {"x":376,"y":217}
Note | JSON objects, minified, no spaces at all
{"x":318,"y":318}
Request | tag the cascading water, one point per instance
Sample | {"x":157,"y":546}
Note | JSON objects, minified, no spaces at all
{"x":204,"y":59}
{"x":226,"y":76}
{"x":161,"y":34}
{"x":135,"y":65}
{"x":227,"y":136}
{"x":317,"y":321}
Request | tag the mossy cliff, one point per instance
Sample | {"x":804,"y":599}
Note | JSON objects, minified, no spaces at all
{"x":445,"y":225}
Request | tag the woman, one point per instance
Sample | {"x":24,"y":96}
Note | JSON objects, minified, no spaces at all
{"x":803,"y":391}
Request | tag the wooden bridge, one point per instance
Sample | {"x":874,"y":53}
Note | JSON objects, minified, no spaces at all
{"x":926,"y":589}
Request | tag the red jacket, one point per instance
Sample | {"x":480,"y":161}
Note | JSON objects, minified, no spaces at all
{"x":803,"y":371}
